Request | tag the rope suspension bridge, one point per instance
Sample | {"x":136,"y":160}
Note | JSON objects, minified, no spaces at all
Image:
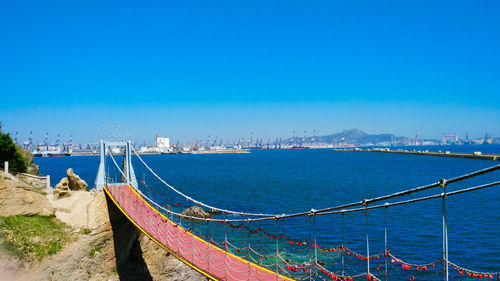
{"x":235,"y":245}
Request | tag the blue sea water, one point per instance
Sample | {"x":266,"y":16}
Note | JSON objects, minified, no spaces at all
{"x":288,"y":181}
{"x":483,"y":148}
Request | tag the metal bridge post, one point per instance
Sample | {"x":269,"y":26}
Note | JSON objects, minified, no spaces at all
{"x":178,"y":237}
{"x":277,"y":248}
{"x":261,"y":245}
{"x":225,"y":244}
{"x":248,"y":251}
{"x":367,"y":240}
{"x":310,"y":249}
{"x":100,"y":179}
{"x":313,"y":212}
{"x":342,"y":250}
{"x":443,"y":184}
{"x":131,"y":178}
{"x":209,"y":244}
{"x":192,"y":239}
{"x":171,"y":208}
{"x":126,"y":163}
{"x":385,"y":240}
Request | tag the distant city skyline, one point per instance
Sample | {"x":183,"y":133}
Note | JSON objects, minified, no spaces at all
{"x":186,"y":70}
{"x":277,"y":126}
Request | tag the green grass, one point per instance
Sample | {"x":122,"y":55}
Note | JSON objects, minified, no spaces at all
{"x":33,"y":238}
{"x":94,"y":251}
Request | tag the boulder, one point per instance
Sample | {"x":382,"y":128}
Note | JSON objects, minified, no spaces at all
{"x":80,"y":210}
{"x":196,"y":211}
{"x":71,"y":182}
{"x":213,"y":212}
{"x":8,"y":180}
{"x":19,"y":201}
{"x":34,"y":182}
{"x":74,"y":181}
{"x":61,"y":189}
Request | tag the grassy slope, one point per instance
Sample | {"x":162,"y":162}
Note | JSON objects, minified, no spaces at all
{"x":33,"y":238}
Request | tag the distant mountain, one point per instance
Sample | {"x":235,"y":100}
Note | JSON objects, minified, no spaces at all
{"x":355,"y":137}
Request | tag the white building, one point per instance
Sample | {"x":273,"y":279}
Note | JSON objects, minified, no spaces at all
{"x":162,"y":143}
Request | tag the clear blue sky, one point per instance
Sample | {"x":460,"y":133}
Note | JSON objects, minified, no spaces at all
{"x":189,"y":69}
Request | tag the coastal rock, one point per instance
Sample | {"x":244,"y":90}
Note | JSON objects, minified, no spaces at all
{"x":213,"y":212}
{"x":74,"y":181}
{"x":71,"y":182}
{"x":79,"y":209}
{"x":19,"y":201}
{"x":33,"y":182}
{"x":114,"y":249}
{"x":61,"y":189}
{"x":109,"y":247}
{"x":9,"y":180}
{"x":196,"y":211}
{"x":90,"y":258}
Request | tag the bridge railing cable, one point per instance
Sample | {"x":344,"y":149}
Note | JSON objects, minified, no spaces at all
{"x":332,"y":210}
{"x":194,"y":200}
{"x":329,"y":209}
{"x":283,"y":260}
{"x":396,"y":194}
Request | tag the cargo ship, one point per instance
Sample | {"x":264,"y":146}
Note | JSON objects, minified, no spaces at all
{"x":300,"y":147}
{"x":57,"y":154}
{"x":50,"y":152}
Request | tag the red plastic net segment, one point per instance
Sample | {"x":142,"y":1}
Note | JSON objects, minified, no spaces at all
{"x":199,"y":253}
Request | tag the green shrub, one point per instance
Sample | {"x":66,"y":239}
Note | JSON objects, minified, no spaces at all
{"x":10,"y":152}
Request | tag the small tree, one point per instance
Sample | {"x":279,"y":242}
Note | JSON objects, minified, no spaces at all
{"x":8,"y":152}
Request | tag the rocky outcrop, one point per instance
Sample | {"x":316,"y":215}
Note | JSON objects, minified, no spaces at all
{"x":109,"y":247}
{"x":9,"y":180}
{"x":18,"y":198}
{"x":74,"y":181}
{"x":78,"y":210}
{"x":196,"y":211}
{"x":90,"y":258}
{"x":61,"y":189}
{"x":18,"y":201}
{"x":39,"y":182}
{"x":113,"y":250}
{"x":71,"y":182}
